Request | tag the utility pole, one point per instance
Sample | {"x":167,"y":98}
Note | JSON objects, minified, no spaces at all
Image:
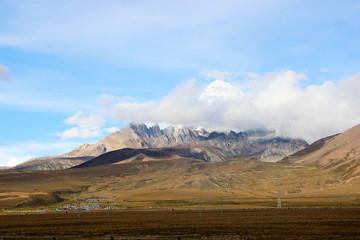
{"x":279,"y":200}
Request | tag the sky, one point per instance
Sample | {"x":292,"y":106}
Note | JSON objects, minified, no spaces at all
{"x":71,"y":72}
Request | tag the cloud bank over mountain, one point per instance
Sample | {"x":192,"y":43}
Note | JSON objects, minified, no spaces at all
{"x":274,"y":100}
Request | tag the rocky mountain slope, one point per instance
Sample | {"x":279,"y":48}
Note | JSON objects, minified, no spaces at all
{"x":51,"y":163}
{"x":218,"y":145}
{"x":211,"y":145}
{"x":338,"y":153}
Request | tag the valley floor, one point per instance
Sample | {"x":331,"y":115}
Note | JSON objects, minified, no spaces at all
{"x":180,"y":182}
{"x":302,"y":223}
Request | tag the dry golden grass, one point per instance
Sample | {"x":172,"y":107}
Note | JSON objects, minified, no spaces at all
{"x":142,"y":183}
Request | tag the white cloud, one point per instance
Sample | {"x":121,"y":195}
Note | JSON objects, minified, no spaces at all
{"x":4,"y":73}
{"x":86,"y":121}
{"x":89,"y":125}
{"x":127,"y":110}
{"x":11,"y":155}
{"x":112,"y":129}
{"x":13,"y":161}
{"x":219,"y":91}
{"x":105,"y":100}
{"x":76,"y":132}
{"x":220,"y":75}
{"x":169,"y":109}
{"x":274,"y":101}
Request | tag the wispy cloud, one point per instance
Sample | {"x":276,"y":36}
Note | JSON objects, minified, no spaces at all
{"x":41,"y":89}
{"x":147,"y":33}
{"x":324,"y":69}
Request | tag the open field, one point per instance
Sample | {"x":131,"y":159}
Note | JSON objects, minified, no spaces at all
{"x":306,"y":223}
{"x":241,"y":183}
{"x":149,"y":191}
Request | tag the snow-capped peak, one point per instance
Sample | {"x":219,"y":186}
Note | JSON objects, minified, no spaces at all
{"x":218,"y":90}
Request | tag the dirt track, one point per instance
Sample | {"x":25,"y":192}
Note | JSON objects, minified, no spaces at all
{"x":234,"y":224}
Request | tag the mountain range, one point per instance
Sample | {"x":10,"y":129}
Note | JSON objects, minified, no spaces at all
{"x":210,"y":146}
{"x":326,"y":173}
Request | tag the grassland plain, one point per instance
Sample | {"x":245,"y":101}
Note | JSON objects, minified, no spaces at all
{"x":244,"y":183}
{"x":302,"y":223}
{"x":161,"y":200}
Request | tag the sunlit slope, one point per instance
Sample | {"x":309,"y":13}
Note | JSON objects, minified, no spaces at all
{"x":339,"y":154}
{"x":146,"y":179}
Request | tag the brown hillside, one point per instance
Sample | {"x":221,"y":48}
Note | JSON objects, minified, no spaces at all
{"x":339,"y":153}
{"x":150,"y":183}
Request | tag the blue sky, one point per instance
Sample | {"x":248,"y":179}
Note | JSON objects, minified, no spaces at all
{"x":72,"y":71}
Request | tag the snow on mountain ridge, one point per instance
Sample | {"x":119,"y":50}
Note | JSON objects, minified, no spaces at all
{"x":210,"y":145}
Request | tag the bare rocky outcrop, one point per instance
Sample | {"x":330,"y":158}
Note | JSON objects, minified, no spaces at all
{"x":223,"y":145}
